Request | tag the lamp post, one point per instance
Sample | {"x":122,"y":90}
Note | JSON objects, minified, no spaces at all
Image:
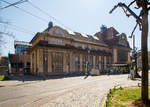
{"x":134,"y":60}
{"x":87,"y":62}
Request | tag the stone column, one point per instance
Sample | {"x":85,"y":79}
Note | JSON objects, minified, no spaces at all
{"x":110,"y":60}
{"x":81,"y":67}
{"x":34,"y":62}
{"x":31,"y":61}
{"x":37,"y":62}
{"x":129,"y":57}
{"x":41,"y":61}
{"x":49,"y":62}
{"x":64,"y":63}
{"x":71,"y":62}
{"x":94,"y":62}
{"x":100,"y":63}
{"x":115,"y":56}
{"x":105,"y":63}
{"x":38,"y":59}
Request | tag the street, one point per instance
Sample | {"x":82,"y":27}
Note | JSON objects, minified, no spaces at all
{"x":63,"y":92}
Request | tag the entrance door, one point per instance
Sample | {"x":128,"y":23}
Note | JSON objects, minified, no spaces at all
{"x":57,"y":62}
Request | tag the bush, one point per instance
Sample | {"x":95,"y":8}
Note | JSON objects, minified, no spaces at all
{"x":3,"y":78}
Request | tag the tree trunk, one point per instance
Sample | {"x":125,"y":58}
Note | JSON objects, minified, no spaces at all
{"x":144,"y":37}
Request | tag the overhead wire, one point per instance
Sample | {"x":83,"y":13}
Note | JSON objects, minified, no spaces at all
{"x":36,"y":7}
{"x":16,"y":29}
{"x":44,"y":12}
{"x":27,"y":12}
{"x":19,"y":29}
{"x":18,"y":2}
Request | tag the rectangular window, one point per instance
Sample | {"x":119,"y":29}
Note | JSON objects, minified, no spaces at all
{"x":76,"y":45}
{"x":55,"y":41}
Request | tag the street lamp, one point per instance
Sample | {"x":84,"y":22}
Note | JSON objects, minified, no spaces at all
{"x":87,"y":62}
{"x":134,"y":56}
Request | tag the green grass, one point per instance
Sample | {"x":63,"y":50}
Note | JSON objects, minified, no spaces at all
{"x":3,"y":78}
{"x":123,"y":97}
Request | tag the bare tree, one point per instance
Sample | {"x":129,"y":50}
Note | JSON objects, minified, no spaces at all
{"x":142,"y":22}
{"x":3,"y":34}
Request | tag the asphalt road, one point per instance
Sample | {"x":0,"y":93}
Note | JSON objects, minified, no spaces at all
{"x":63,"y":92}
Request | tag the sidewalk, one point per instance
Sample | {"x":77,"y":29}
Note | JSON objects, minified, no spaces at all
{"x":16,"y":81}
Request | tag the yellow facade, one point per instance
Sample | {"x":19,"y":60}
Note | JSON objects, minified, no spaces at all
{"x":55,"y":53}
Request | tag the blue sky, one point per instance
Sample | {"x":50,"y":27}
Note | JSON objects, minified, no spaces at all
{"x":84,"y":16}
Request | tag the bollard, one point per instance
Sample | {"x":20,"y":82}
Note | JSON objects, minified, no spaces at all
{"x":106,"y":103}
{"x":110,"y":91}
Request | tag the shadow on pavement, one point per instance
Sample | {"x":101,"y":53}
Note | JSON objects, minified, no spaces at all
{"x":85,"y":77}
{"x":39,"y":78}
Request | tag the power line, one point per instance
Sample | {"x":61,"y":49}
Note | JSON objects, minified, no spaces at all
{"x":18,"y":2}
{"x":20,"y":30}
{"x":24,"y":29}
{"x":10,"y":35}
{"x":27,"y":12}
{"x":44,"y":12}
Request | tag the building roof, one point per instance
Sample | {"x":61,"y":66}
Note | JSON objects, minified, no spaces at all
{"x":113,"y":38}
{"x":75,"y":36}
{"x":22,"y":43}
{"x":106,"y":38}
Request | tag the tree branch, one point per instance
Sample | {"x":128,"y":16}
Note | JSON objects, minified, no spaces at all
{"x":128,"y":7}
{"x":8,"y":34}
{"x":140,"y":24}
{"x":129,"y":10}
{"x":125,"y":11}
{"x":136,"y":7}
{"x":131,"y":3}
{"x":133,"y":30}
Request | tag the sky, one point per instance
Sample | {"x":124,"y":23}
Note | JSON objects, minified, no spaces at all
{"x":84,"y":16}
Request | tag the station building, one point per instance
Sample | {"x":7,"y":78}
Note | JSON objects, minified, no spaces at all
{"x":57,"y":51}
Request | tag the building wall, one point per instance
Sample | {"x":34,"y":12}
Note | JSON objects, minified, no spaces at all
{"x":37,"y":59}
{"x":37,"y":62}
{"x":73,"y":60}
{"x":115,"y":55}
